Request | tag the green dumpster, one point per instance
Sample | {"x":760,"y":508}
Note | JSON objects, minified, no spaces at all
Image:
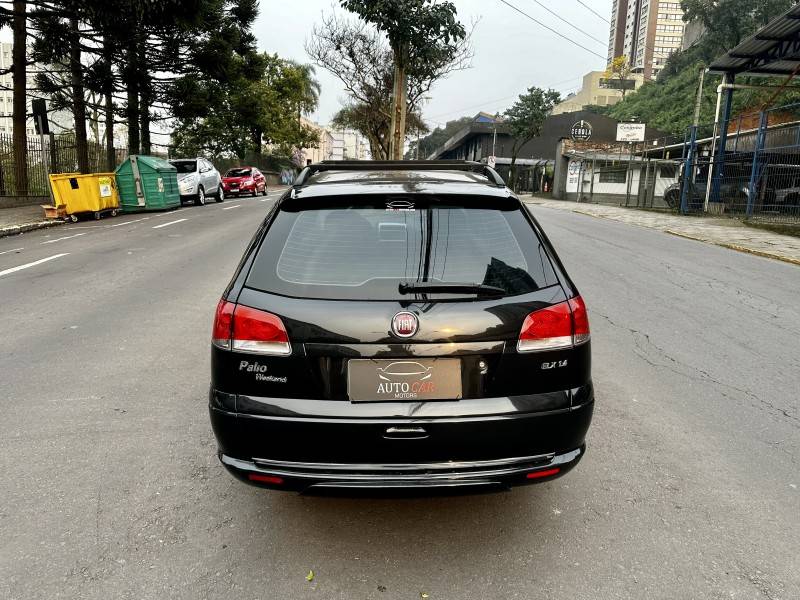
{"x":147,"y":183}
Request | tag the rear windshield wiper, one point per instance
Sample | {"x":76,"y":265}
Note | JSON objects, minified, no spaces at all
{"x":433,"y":287}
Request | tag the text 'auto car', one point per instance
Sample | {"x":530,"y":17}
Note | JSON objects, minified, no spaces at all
{"x":400,"y":325}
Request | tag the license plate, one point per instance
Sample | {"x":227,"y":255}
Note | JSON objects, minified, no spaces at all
{"x":371,"y":380}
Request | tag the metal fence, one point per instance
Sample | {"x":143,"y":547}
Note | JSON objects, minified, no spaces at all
{"x":749,"y":169}
{"x":58,"y":154}
{"x":641,"y":175}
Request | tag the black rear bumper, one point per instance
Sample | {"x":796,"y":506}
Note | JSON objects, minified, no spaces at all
{"x":293,"y":452}
{"x":309,"y":477}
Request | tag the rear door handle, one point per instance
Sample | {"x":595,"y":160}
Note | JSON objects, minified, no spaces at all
{"x":405,"y":433}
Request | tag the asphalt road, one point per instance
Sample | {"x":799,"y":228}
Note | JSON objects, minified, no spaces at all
{"x":111,"y":488}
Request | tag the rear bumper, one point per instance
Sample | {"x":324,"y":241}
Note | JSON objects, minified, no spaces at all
{"x":311,"y":451}
{"x":492,"y":474}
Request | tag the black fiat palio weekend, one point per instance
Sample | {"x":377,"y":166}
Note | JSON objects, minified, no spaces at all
{"x":400,"y":324}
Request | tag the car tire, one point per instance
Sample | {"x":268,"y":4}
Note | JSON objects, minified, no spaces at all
{"x":201,"y":197}
{"x":264,"y":191}
{"x":220,"y":194}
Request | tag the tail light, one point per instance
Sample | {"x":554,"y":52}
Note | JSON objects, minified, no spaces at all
{"x":246,"y":329}
{"x":562,"y":325}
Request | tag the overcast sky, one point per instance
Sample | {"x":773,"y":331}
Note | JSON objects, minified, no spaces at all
{"x":512,"y":52}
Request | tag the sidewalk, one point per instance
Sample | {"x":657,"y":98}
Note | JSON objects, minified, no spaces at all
{"x":728,"y":233}
{"x":24,"y":218}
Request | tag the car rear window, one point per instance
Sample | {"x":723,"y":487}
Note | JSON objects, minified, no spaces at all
{"x":365,"y":252}
{"x":185,"y":166}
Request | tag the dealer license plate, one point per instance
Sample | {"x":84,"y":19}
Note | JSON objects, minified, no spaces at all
{"x":410,"y":379}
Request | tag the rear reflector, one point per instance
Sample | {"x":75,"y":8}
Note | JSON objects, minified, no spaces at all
{"x":545,"y":473}
{"x":580,"y":319}
{"x":265,"y":478}
{"x":562,"y":325}
{"x":221,"y":337}
{"x":250,"y":330}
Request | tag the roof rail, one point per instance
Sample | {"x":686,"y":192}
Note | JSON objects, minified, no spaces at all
{"x":398,"y":165}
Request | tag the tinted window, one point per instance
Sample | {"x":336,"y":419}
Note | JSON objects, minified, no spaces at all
{"x":238,"y":173}
{"x":360,"y":252}
{"x":185,"y":166}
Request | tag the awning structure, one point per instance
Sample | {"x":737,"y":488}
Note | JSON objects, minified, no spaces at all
{"x":773,"y":51}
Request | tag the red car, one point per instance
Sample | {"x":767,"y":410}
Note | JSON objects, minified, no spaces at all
{"x":244,"y":180}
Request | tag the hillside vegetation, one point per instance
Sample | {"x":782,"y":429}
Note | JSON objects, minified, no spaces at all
{"x":668,"y":103}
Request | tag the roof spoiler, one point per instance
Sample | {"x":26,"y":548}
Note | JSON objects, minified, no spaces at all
{"x":398,"y":165}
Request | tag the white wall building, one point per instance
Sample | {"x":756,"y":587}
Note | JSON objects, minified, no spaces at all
{"x":59,"y":121}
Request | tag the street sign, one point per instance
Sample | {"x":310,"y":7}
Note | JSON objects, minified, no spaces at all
{"x":491,"y":161}
{"x":630,"y":132}
{"x":39,"y":110}
{"x":581,"y":131}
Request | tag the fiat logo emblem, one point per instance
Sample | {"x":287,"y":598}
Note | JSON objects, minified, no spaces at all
{"x":405,"y":324}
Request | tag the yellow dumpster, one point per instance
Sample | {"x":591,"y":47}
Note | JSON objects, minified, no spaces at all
{"x":94,"y":194}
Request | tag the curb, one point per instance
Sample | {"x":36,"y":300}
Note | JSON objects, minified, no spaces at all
{"x":730,"y":246}
{"x":737,"y":247}
{"x":17,"y":229}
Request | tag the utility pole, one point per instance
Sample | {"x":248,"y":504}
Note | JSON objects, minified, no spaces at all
{"x":699,"y":100}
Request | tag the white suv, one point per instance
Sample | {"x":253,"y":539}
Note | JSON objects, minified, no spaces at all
{"x":197,"y":180}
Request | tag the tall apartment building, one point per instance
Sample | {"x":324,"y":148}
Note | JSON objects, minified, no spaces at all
{"x":647,"y":32}
{"x":59,"y":120}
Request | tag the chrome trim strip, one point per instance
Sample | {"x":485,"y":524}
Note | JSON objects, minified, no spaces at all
{"x":339,"y":474}
{"x":449,"y":465}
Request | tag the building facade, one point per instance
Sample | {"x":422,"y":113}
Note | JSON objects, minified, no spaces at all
{"x":646,"y":32}
{"x":597,"y":90}
{"x":334,"y":144}
{"x":60,"y":121}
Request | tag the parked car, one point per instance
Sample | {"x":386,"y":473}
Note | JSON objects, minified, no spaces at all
{"x":734,"y":189}
{"x":244,"y":180}
{"x":198,"y":180}
{"x":400,"y":324}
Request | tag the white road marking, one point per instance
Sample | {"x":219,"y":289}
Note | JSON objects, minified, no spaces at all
{"x":232,"y":206}
{"x":12,"y":250}
{"x":129,"y":222}
{"x":31,"y":264}
{"x":67,"y":237}
{"x":167,"y":224}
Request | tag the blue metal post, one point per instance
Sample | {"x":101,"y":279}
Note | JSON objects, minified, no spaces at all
{"x":754,"y":173}
{"x":719,"y":161}
{"x":688,"y":171}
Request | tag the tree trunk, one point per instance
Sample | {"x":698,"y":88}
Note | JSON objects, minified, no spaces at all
{"x":257,"y":140}
{"x":19,"y":119}
{"x":132,"y":107}
{"x":108,"y":109}
{"x":144,"y":119}
{"x":78,"y":98}
{"x":397,"y":134}
{"x":145,"y":97}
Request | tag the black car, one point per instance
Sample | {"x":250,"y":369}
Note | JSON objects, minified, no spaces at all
{"x":400,"y":324}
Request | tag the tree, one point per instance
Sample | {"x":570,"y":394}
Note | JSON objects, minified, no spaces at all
{"x":729,"y":22}
{"x":422,"y":34}
{"x":619,"y":69}
{"x":525,"y":119}
{"x":241,"y":115}
{"x":357,"y":54}
{"x":19,"y":75}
